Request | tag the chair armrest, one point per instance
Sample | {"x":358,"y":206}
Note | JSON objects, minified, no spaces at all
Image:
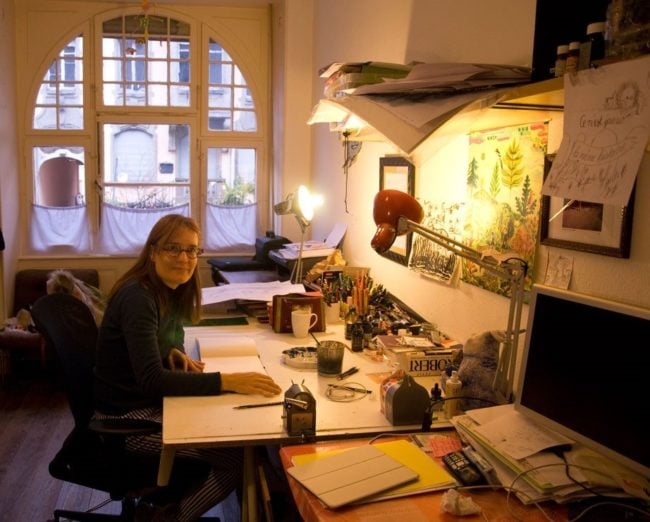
{"x":123,"y":427}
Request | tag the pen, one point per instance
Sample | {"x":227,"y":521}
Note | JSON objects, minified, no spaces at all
{"x":349,"y":388}
{"x":347,"y":373}
{"x":258,"y":405}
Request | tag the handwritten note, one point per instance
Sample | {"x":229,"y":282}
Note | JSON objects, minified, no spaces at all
{"x":606,"y":125}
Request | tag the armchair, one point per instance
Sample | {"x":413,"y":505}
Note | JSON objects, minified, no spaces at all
{"x":94,"y":454}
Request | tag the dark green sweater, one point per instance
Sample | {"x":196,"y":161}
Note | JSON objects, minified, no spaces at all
{"x":132,"y":344}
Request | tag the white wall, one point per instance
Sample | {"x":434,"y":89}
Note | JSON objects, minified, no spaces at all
{"x":435,"y":31}
{"x":8,"y":156}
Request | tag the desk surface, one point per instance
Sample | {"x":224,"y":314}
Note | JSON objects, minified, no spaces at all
{"x":212,"y":421}
{"x":422,"y":507}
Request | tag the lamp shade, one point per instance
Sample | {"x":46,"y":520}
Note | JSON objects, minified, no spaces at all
{"x":389,"y":205}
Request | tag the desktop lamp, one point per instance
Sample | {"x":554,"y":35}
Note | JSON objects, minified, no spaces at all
{"x":396,"y":213}
{"x":301,"y":204}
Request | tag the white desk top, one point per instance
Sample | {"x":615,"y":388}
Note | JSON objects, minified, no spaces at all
{"x":211,"y":421}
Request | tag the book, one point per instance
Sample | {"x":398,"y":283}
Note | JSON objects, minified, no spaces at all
{"x":229,"y":353}
{"x":431,"y":475}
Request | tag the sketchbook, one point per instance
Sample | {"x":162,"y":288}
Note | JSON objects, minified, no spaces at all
{"x":229,"y":354}
{"x":351,"y":475}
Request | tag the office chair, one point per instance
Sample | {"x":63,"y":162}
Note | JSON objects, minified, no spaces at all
{"x":94,"y":454}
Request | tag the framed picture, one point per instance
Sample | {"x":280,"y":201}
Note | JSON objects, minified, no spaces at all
{"x":398,"y":173}
{"x":589,"y":227}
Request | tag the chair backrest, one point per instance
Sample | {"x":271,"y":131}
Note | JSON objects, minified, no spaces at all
{"x":29,"y":284}
{"x":69,"y":327}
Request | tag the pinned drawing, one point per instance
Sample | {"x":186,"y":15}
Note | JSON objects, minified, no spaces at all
{"x":429,"y":258}
{"x":606,"y":125}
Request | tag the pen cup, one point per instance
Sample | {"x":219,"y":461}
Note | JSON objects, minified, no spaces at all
{"x":330,"y":358}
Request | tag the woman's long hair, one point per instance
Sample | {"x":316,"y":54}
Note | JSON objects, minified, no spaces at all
{"x":187,"y":297}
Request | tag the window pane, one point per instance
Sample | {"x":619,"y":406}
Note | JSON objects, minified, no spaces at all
{"x":245,"y":121}
{"x":232,"y":176}
{"x":146,"y":197}
{"x":220,"y":98}
{"x":180,"y":95}
{"x":58,"y":174}
{"x":158,"y":95}
{"x":145,"y":165}
{"x":71,"y":117}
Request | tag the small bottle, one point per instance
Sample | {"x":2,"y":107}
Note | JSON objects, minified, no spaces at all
{"x":593,"y":48}
{"x":357,"y":336}
{"x":436,"y":395}
{"x":350,"y":319}
{"x":452,"y":389}
{"x":572,"y":58}
{"x":560,"y":60}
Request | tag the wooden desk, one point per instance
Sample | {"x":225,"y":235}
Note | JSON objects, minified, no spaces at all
{"x":212,"y":421}
{"x":422,"y":507}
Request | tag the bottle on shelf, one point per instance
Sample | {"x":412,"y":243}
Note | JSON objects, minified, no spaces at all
{"x":560,"y":60}
{"x":350,"y":318}
{"x":593,"y":48}
{"x":453,"y":388}
{"x":572,"y":58}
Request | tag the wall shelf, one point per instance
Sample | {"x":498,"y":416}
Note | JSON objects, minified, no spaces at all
{"x":399,"y":122}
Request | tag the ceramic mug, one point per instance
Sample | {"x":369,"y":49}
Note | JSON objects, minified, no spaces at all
{"x":302,"y":321}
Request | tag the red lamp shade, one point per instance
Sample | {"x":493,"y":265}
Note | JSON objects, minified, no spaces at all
{"x":388,"y":207}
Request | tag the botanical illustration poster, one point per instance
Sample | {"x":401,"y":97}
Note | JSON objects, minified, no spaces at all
{"x":504,"y":182}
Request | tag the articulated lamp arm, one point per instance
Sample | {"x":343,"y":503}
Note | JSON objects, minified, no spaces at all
{"x":397,"y":213}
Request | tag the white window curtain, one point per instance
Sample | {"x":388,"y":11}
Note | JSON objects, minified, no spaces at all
{"x":60,"y":228}
{"x":230,"y":228}
{"x":125,"y":230}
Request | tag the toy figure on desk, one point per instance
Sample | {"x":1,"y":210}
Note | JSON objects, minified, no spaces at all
{"x":477,"y":369}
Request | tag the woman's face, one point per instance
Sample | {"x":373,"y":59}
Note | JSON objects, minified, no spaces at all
{"x":175,"y":260}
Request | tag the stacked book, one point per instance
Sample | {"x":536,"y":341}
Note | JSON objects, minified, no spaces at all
{"x":416,"y":355}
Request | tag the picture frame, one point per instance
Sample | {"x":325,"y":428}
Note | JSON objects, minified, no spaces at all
{"x":587,"y":227}
{"x":397,"y":173}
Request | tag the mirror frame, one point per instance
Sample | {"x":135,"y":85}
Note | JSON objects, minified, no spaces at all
{"x":397,"y":173}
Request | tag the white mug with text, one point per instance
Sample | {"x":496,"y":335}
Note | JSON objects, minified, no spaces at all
{"x":301,"y":321}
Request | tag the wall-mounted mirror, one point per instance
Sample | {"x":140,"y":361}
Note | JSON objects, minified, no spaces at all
{"x":398,"y":173}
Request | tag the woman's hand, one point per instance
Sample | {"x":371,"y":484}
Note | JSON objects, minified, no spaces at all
{"x":249,"y":383}
{"x":178,"y":360}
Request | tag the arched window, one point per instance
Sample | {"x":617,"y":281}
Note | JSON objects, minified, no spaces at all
{"x":149,"y":140}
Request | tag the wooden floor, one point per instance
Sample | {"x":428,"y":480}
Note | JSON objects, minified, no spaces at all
{"x":34,"y":420}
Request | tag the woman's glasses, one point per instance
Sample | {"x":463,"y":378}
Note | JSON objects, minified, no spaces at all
{"x":175,"y":250}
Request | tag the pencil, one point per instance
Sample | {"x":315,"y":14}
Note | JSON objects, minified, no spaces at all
{"x":258,"y":405}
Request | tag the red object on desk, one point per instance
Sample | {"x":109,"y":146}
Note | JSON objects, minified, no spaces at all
{"x":421,"y":507}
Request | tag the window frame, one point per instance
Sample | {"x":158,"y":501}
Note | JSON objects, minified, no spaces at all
{"x":195,"y":115}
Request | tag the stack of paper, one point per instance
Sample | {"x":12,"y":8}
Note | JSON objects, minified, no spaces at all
{"x":523,"y":457}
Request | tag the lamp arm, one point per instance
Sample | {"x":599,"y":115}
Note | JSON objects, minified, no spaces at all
{"x":514,"y":271}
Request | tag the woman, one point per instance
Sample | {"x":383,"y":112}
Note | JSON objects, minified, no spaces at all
{"x":141,"y":359}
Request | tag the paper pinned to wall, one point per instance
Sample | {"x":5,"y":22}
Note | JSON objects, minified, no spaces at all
{"x":606,"y":125}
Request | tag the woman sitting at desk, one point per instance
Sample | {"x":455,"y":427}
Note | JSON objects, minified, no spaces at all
{"x":141,"y":359}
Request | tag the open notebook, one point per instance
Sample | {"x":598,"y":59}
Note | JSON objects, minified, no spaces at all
{"x":229,"y":353}
{"x":351,"y":475}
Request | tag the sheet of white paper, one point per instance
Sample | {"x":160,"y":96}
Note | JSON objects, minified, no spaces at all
{"x":518,"y":437}
{"x":606,"y":125}
{"x":248,"y":291}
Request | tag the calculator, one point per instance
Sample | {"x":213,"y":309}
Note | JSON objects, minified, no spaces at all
{"x":463,"y":470}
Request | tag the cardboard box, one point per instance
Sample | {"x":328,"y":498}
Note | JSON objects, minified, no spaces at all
{"x":418,"y":363}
